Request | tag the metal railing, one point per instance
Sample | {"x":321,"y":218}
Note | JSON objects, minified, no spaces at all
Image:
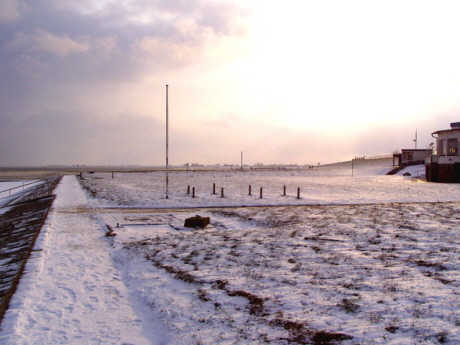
{"x":22,"y":186}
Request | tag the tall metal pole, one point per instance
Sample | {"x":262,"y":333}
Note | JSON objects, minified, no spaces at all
{"x":167,"y":144}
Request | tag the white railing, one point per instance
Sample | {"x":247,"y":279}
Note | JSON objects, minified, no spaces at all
{"x":21,"y":186}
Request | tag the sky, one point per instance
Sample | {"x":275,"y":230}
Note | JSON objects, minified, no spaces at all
{"x":292,"y":82}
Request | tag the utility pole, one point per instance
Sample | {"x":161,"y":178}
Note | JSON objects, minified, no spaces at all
{"x":167,"y":144}
{"x":415,"y":140}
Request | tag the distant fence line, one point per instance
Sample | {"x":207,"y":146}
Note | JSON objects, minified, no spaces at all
{"x":304,"y":167}
{"x":281,"y":167}
{"x":373,"y":157}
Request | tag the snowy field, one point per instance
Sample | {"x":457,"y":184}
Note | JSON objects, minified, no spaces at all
{"x":362,"y":259}
{"x":327,"y":185}
{"x":383,"y":274}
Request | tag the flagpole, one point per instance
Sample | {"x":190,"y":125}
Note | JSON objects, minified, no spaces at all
{"x":167,"y":143}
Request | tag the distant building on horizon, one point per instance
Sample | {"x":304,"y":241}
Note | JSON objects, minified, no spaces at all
{"x":444,"y":164}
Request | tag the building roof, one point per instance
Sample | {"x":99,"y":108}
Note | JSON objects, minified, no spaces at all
{"x":447,"y":130}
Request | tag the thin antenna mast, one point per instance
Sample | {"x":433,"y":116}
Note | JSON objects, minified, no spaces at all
{"x":167,"y":144}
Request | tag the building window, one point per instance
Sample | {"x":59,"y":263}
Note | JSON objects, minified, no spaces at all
{"x":408,"y":156}
{"x":442,"y":147}
{"x":452,"y":147}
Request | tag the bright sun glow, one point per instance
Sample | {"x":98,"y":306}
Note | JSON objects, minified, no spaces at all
{"x":348,"y":63}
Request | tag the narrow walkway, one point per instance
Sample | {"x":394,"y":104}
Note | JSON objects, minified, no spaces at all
{"x":71,"y":293}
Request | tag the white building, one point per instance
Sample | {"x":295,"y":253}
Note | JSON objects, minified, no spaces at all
{"x":444,"y":164}
{"x":411,"y":156}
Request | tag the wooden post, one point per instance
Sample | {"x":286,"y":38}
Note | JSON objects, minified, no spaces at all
{"x":250,"y":193}
{"x":112,"y":174}
{"x":188,"y":189}
{"x":298,"y":193}
{"x":193,"y":192}
{"x":213,"y":188}
{"x":284,"y":190}
{"x":222,"y":192}
{"x":261,"y":192}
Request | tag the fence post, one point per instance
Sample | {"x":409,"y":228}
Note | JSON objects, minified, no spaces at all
{"x":213,"y":188}
{"x":284,"y":190}
{"x":261,"y":192}
{"x":222,"y":192}
{"x":250,"y":190}
{"x":193,"y":192}
{"x":188,"y":189}
{"x":298,"y":193}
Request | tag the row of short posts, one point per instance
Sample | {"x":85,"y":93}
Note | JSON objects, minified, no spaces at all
{"x":249,"y":192}
{"x":193,"y":191}
{"x":284,"y":192}
{"x":214,"y":190}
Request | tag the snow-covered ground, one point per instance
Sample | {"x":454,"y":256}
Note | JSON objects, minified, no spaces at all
{"x":71,"y":293}
{"x":367,"y":183}
{"x":375,"y":263}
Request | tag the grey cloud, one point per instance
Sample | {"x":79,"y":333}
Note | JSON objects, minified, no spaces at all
{"x":74,"y":138}
{"x":109,"y":41}
{"x":12,"y":10}
{"x":53,"y":44}
{"x":55,"y":53}
{"x":42,"y":40}
{"x":220,"y":16}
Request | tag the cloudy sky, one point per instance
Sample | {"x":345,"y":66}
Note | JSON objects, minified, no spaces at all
{"x":84,"y":81}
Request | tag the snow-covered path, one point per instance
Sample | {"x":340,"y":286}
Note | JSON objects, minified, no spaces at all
{"x":71,"y":293}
